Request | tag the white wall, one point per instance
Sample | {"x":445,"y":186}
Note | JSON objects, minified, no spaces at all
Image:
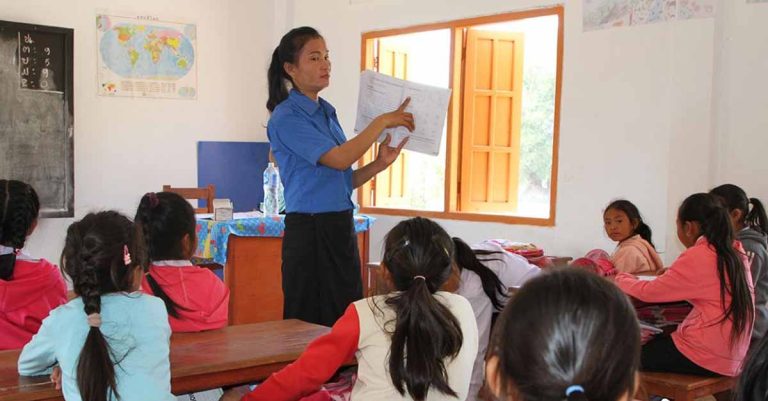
{"x":651,"y":113}
{"x":125,"y":147}
{"x":741,"y":93}
{"x":636,"y":113}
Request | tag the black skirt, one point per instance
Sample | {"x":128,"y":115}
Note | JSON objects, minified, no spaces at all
{"x":321,"y":266}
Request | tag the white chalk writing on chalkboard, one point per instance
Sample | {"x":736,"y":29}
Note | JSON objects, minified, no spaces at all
{"x":39,"y":61}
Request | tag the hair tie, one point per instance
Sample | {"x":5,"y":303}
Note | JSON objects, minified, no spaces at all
{"x":94,"y":320}
{"x":153,"y":200}
{"x":420,"y":277}
{"x":126,"y":255}
{"x":575,"y":388}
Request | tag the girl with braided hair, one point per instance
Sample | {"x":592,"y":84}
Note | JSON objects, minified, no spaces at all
{"x":194,"y":297}
{"x":29,"y":288}
{"x":112,"y":341}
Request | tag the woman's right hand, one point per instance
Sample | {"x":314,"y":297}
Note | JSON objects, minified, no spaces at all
{"x":399,"y":117}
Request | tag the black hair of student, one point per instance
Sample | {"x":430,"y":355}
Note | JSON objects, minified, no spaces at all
{"x":470,"y":259}
{"x":567,"y":327}
{"x":736,"y":199}
{"x":753,"y":380}
{"x":163,"y":219}
{"x":93,"y":258}
{"x":286,"y":52}
{"x":19,"y":206}
{"x":418,"y":254}
{"x":633,"y":213}
{"x":715,"y":223}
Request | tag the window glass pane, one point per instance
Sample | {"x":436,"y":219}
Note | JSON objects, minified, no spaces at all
{"x":428,"y":62}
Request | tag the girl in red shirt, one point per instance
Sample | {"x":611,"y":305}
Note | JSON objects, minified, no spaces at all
{"x":29,"y":288}
{"x":195,"y":298}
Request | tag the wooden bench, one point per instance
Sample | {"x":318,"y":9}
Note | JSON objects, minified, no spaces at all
{"x":683,"y":387}
{"x":199,"y":361}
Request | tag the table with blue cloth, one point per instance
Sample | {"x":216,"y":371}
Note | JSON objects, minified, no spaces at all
{"x":250,"y":251}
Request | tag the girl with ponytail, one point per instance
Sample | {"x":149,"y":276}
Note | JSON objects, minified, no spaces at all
{"x":566,"y":335}
{"x":29,"y":287}
{"x":713,"y":276}
{"x":194,"y":297}
{"x":487,"y":272}
{"x":635,"y":251}
{"x":111,"y":342}
{"x":751,"y":226}
{"x":417,"y":343}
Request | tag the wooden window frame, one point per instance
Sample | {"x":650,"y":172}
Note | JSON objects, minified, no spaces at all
{"x":453,"y":132}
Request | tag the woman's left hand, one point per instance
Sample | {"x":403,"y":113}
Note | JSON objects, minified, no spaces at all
{"x":388,"y":155}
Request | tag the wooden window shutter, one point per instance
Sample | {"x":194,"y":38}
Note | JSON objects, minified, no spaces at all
{"x":390,"y":184}
{"x":492,"y":100}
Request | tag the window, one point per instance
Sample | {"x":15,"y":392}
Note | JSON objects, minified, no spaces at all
{"x":498,"y":159}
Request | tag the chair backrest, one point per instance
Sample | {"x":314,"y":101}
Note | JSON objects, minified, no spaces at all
{"x":206,"y":193}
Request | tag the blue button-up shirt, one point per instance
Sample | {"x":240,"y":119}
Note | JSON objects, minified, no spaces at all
{"x":301,"y":131}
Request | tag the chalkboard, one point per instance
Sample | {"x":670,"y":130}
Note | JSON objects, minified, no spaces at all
{"x":37,"y":112}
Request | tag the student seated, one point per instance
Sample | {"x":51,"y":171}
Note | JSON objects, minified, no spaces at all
{"x":750,"y":226}
{"x":713,"y":276}
{"x":635,"y":251}
{"x":194,"y":297}
{"x":112,"y":341}
{"x":487,"y":272}
{"x":566,"y":335}
{"x":29,"y":288}
{"x":436,"y":330}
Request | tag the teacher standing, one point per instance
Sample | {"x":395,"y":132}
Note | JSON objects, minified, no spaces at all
{"x":321,"y":262}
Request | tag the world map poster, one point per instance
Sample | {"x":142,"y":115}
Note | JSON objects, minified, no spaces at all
{"x":145,"y":57}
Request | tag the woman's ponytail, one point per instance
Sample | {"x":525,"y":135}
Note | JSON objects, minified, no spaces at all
{"x":425,"y":333}
{"x":756,"y":218}
{"x":276,"y":76}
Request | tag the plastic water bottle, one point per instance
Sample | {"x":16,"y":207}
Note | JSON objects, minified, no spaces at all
{"x":271,"y":189}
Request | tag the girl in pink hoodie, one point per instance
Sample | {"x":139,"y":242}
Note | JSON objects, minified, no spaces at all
{"x":29,"y":288}
{"x":635,"y":252}
{"x":713,"y":276}
{"x":195,"y":298}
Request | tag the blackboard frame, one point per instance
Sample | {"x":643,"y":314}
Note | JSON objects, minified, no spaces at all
{"x":69,"y":113}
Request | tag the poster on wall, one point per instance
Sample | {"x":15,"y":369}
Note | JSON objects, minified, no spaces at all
{"x":146,"y":57}
{"x":605,"y":14}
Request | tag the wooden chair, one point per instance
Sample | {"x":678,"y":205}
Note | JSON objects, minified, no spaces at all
{"x":684,"y":387}
{"x":207,"y":193}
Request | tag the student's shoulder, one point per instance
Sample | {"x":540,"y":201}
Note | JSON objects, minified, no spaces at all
{"x":136,"y":302}
{"x":455,"y":302}
{"x":68,"y":310}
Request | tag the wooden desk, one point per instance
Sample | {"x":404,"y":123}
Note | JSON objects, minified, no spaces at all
{"x":199,"y":361}
{"x":255,"y":280}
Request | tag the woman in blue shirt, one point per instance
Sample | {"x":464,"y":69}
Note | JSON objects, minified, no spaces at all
{"x":321,"y":262}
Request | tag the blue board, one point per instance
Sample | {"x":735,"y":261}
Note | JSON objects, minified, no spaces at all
{"x":236,"y":169}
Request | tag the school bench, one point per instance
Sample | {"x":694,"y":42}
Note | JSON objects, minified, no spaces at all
{"x":684,"y":387}
{"x":199,"y":361}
